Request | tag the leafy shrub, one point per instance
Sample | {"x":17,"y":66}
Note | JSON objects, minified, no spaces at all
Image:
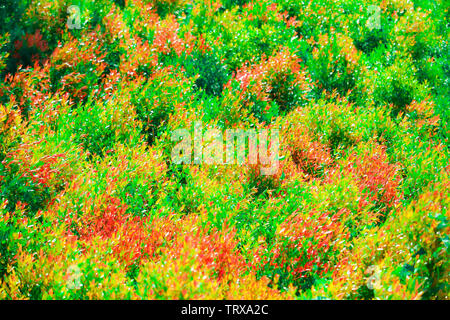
{"x":92,"y":205}
{"x":335,"y":62}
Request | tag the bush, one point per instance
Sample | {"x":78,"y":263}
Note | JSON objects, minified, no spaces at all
{"x":93,"y":206}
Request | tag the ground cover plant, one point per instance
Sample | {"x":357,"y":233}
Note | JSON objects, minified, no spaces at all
{"x":93,"y":206}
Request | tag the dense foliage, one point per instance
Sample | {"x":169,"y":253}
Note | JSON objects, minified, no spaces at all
{"x":93,"y":207}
